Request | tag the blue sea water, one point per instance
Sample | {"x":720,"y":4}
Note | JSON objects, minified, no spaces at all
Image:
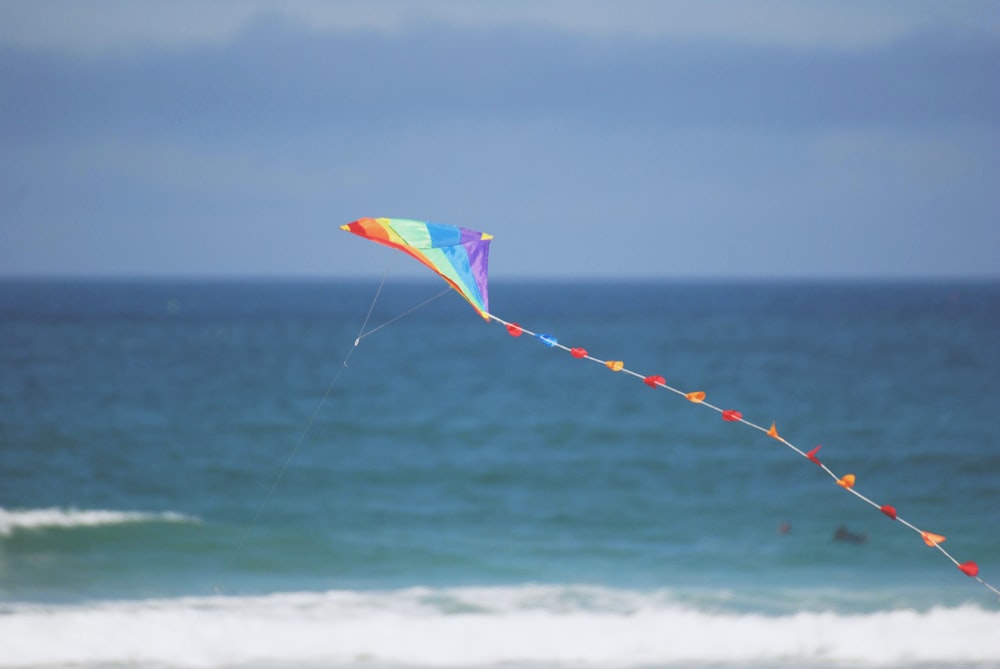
{"x":213,"y":474}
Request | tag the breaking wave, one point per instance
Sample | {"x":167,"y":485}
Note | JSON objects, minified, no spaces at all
{"x":483,"y":627}
{"x":13,"y":520}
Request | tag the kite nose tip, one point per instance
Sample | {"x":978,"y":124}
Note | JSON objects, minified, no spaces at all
{"x":345,"y":228}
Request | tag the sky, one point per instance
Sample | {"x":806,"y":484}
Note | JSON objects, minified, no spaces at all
{"x":596,"y":140}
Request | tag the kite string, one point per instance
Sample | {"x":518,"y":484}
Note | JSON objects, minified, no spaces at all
{"x":364,"y":324}
{"x":362,"y":333}
{"x":302,"y":436}
{"x":846,"y":482}
{"x":409,"y":311}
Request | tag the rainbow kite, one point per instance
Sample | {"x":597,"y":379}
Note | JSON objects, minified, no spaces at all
{"x":460,"y":256}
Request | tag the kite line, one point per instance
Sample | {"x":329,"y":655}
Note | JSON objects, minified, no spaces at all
{"x":283,"y":470}
{"x":460,"y":257}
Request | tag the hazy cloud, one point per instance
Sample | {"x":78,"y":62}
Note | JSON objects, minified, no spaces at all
{"x":123,"y":24}
{"x":658,"y":141}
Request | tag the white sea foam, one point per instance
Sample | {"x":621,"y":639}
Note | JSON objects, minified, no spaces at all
{"x":481,"y":627}
{"x":12,"y":520}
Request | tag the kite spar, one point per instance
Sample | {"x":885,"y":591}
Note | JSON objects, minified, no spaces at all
{"x":461,"y":257}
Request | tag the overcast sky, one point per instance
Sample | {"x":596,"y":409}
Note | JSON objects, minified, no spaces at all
{"x":592,"y":139}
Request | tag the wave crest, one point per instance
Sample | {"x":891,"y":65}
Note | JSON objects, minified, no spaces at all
{"x":483,"y":627}
{"x":12,"y":520}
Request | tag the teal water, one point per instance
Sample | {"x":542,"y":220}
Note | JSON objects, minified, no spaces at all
{"x":195,"y":459}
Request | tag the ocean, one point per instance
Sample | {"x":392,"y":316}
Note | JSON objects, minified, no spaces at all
{"x":255,"y":474}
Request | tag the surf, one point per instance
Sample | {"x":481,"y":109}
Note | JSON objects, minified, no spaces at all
{"x":568,"y":625}
{"x":18,"y":520}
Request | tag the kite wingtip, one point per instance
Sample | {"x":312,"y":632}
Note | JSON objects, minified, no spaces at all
{"x":345,"y":228}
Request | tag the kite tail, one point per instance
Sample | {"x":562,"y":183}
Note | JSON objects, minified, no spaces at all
{"x":846,"y":482}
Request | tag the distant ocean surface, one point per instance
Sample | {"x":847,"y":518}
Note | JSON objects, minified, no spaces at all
{"x":192,"y":477}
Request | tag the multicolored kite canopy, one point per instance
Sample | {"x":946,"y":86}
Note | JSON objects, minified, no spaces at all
{"x":459,"y":255}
